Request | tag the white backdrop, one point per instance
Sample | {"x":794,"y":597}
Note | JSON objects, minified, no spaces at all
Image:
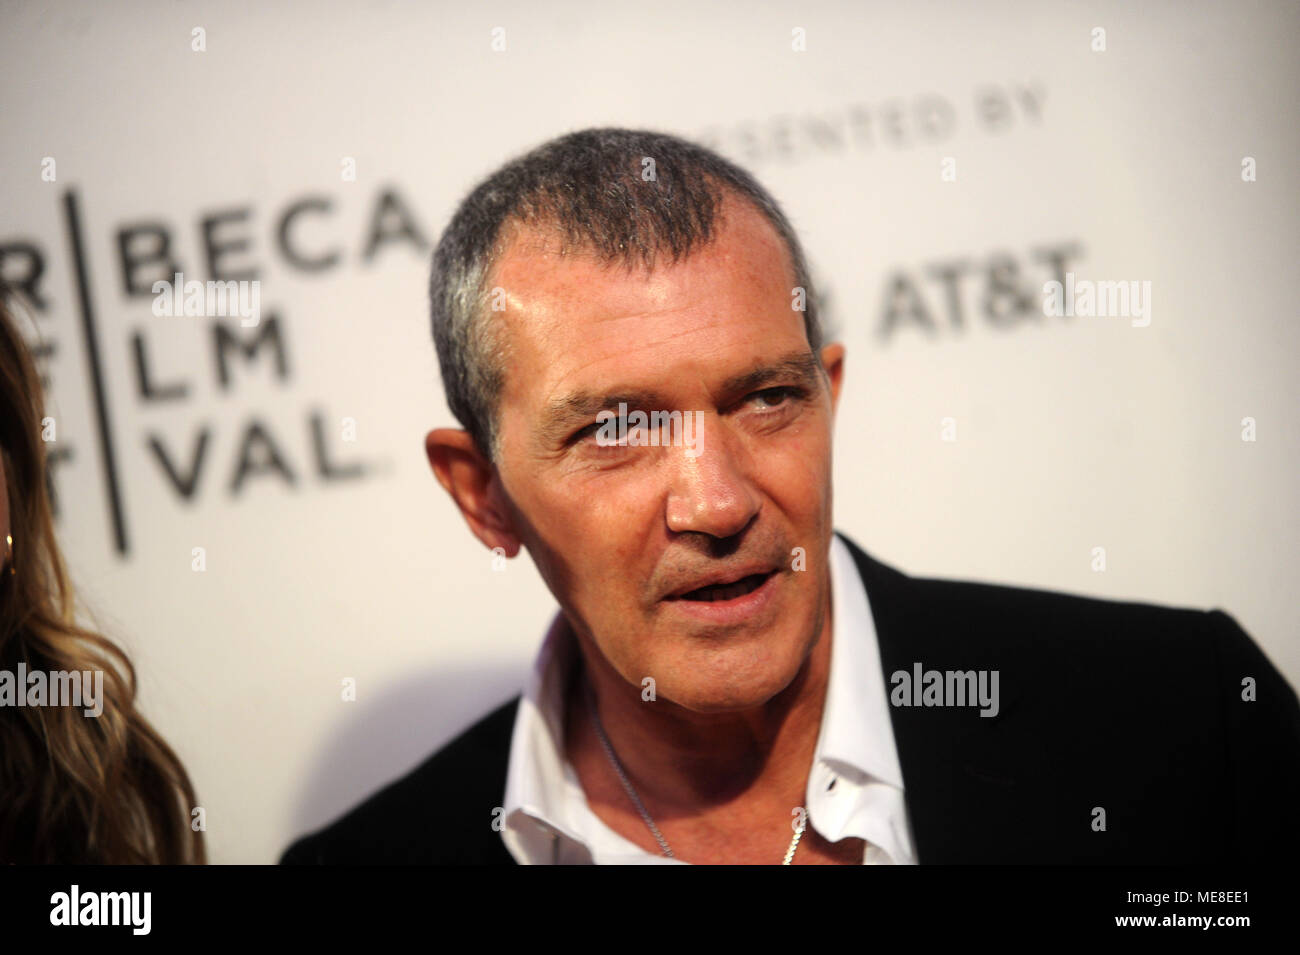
{"x":349,"y":561}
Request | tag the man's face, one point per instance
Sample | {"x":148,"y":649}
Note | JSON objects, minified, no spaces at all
{"x":624,"y":536}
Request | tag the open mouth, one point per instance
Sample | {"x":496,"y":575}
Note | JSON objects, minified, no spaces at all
{"x":717,"y":592}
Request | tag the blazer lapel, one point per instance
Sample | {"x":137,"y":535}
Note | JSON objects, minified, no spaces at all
{"x":960,"y":774}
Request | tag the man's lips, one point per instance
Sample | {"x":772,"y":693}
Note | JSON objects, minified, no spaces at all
{"x":723,"y":585}
{"x":737,"y":600}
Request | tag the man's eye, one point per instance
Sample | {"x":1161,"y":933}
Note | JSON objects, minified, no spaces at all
{"x":582,"y":434}
{"x":775,"y":397}
{"x":592,"y":431}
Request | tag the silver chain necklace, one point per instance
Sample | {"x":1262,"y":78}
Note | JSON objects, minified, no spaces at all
{"x":636,"y":800}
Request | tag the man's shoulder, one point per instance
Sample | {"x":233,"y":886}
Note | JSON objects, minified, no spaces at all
{"x":1068,"y":646}
{"x":1004,"y":617}
{"x":438,"y":813}
{"x":1170,"y":719}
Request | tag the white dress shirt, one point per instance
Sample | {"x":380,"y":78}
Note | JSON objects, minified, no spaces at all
{"x":855,"y":786}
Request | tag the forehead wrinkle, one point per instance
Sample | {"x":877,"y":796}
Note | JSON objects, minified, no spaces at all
{"x":667,"y":336}
{"x":619,"y":349}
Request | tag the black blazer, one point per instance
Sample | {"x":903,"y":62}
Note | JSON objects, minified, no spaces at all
{"x":1129,"y":707}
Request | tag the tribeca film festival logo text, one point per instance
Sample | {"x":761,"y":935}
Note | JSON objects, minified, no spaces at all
{"x":923,"y":687}
{"x":182,"y":409}
{"x":56,"y":688}
{"x":102,"y":908}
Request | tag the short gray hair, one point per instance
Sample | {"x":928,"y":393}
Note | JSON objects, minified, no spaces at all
{"x":587,"y":188}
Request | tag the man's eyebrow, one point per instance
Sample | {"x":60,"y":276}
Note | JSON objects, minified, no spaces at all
{"x":582,"y":406}
{"x":803,"y":367}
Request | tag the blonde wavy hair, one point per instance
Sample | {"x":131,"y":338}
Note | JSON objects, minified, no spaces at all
{"x":73,"y":789}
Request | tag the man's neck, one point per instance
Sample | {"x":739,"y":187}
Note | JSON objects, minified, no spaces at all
{"x":687,"y":762}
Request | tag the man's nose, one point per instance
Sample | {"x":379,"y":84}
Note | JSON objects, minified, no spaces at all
{"x":712,"y":492}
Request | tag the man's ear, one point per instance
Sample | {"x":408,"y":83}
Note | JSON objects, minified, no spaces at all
{"x":473,"y":484}
{"x":833,"y":361}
